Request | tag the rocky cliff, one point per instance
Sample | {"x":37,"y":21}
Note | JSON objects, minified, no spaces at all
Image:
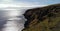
{"x":43,"y":18}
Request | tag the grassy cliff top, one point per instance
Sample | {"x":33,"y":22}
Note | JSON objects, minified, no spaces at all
{"x":43,"y":18}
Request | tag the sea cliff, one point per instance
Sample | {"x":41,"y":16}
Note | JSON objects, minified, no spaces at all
{"x":43,"y":18}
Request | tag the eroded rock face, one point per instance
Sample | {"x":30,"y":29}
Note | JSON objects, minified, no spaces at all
{"x":43,"y":18}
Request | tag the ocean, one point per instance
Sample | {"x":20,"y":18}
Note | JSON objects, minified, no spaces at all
{"x":12,"y":19}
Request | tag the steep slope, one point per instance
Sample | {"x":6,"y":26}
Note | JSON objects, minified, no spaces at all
{"x":43,"y":18}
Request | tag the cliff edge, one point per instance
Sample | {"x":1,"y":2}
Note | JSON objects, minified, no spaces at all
{"x":43,"y":18}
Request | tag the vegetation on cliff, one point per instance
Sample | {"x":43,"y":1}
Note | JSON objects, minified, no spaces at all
{"x":43,"y":18}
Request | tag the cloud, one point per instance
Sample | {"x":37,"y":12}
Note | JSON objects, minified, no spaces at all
{"x":6,"y":1}
{"x":12,"y":3}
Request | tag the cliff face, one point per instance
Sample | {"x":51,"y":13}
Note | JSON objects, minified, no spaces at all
{"x":43,"y":19}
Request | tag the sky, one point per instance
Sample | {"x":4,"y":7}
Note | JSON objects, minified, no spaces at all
{"x":23,"y":3}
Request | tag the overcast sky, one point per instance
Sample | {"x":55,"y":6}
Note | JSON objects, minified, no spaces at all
{"x":22,"y":3}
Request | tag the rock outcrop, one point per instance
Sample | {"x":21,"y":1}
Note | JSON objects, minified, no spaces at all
{"x":43,"y":18}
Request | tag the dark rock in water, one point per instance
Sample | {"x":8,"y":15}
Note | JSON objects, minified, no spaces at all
{"x":42,"y":18}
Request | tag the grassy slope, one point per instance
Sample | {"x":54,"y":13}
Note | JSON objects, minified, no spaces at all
{"x":52,"y":25}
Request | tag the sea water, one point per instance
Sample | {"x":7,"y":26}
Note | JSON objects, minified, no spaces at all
{"x":12,"y":19}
